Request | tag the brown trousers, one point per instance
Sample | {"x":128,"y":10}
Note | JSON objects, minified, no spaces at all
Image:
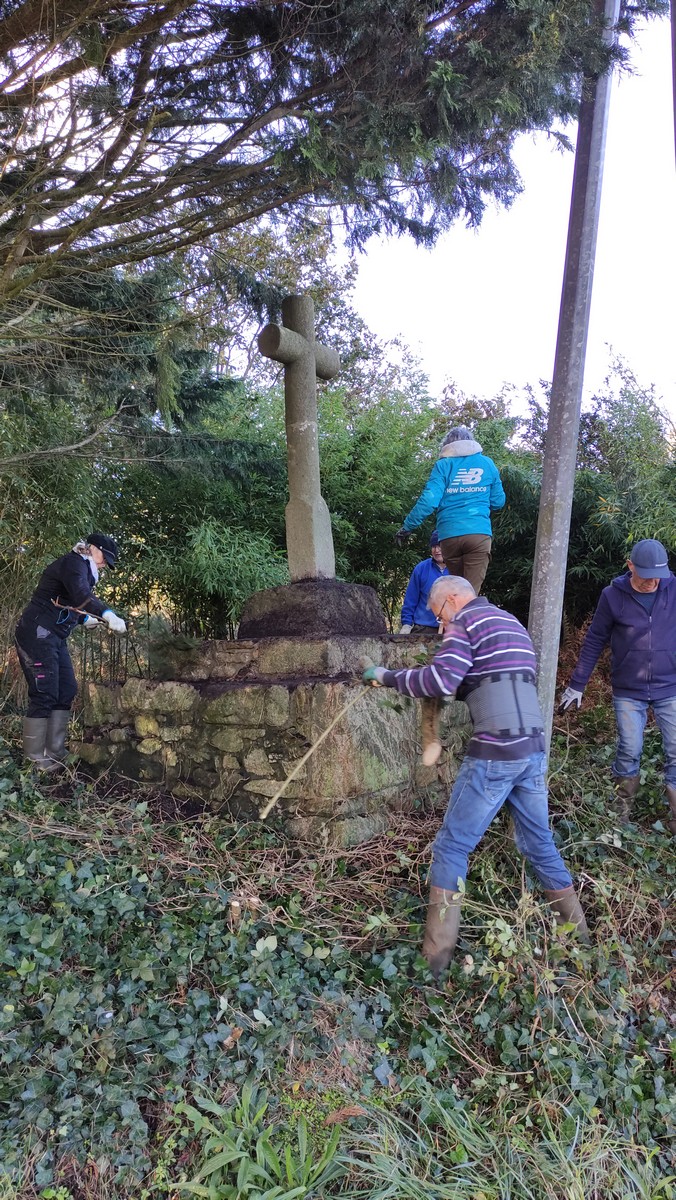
{"x":469,"y":556}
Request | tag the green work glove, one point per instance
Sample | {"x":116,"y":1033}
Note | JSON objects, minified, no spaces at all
{"x":374,"y":675}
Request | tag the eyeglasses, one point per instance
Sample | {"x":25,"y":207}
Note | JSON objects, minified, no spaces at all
{"x":440,"y":615}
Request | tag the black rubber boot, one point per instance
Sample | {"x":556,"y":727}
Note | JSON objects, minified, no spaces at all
{"x":57,"y":728}
{"x":568,"y":909}
{"x":34,"y":742}
{"x":671,"y":801}
{"x":441,"y":930}
{"x":626,"y":788}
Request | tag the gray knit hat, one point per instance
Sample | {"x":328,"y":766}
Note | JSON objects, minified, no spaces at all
{"x":460,"y":433}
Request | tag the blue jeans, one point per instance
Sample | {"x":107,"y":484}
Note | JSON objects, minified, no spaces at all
{"x":479,"y":792}
{"x":631,"y":717}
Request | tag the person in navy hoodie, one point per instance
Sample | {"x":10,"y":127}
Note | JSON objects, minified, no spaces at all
{"x":63,"y":599}
{"x":464,"y":487}
{"x":416,"y":617}
{"x":636,"y":614}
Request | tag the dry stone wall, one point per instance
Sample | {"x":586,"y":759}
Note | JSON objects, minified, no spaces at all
{"x":240,"y":715}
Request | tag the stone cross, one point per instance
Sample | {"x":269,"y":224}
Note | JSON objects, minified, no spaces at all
{"x":309,"y":541}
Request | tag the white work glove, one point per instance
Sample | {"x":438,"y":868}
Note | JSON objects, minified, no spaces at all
{"x":374,"y":676}
{"x":569,"y":697}
{"x":114,"y":623}
{"x":90,"y":622}
{"x":406,"y":628}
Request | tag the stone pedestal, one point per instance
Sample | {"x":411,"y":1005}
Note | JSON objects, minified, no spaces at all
{"x":311,"y":608}
{"x":233,"y":727}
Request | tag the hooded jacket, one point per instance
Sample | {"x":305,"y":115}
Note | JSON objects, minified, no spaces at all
{"x":464,"y":487}
{"x":643,"y":657}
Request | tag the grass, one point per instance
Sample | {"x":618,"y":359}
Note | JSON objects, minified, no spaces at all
{"x":135,"y":993}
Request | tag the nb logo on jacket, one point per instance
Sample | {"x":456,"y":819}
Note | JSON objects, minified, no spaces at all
{"x":469,"y":475}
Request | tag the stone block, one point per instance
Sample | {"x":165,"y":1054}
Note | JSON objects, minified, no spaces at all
{"x":288,"y":767}
{"x":230,"y":660}
{"x":226,"y":739}
{"x":146,"y":726}
{"x":172,"y":698}
{"x":97,"y":754}
{"x":269,"y":788}
{"x":143,"y":695}
{"x":368,"y":750}
{"x":256,"y":762}
{"x":341,"y":834}
{"x":289,"y":658}
{"x":176,"y":733}
{"x":236,"y":706}
{"x":136,"y":695}
{"x":149,"y":745}
{"x":378,"y":803}
{"x":277,"y":706}
{"x":354,"y":831}
{"x":228,"y":784}
{"x":119,"y":736}
{"x":101,"y":704}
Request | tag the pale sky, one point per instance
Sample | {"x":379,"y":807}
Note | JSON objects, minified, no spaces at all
{"x":482,"y":307}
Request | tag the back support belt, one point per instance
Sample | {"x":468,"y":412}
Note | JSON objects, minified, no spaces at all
{"x":505,"y":704}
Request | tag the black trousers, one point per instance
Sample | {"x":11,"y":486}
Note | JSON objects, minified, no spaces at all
{"x":45,"y":662}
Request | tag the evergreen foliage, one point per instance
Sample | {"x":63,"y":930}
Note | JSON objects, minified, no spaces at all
{"x":132,"y":130}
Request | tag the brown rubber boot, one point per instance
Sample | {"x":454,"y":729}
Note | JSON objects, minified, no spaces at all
{"x":441,"y":930}
{"x":671,"y":801}
{"x":626,"y":787}
{"x":568,"y":909}
{"x":431,"y":742}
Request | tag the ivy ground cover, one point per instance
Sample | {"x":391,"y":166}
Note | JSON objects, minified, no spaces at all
{"x":194,"y":1008}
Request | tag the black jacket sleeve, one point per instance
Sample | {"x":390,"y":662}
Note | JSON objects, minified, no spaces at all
{"x":77,"y":586}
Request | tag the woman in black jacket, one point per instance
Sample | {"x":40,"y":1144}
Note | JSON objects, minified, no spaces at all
{"x":45,"y":624}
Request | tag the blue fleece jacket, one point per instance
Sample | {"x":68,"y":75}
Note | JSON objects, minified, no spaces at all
{"x":464,"y":487}
{"x":414,"y":610}
{"x":643,"y":660}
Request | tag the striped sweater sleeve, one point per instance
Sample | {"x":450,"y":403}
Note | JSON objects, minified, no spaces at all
{"x":444,"y":674}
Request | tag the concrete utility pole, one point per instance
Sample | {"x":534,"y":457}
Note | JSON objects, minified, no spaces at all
{"x":673,"y":60}
{"x":551,"y":550}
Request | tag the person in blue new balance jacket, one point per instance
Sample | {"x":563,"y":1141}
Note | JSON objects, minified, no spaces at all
{"x":636,"y":615}
{"x":416,"y":617}
{"x":464,"y":488}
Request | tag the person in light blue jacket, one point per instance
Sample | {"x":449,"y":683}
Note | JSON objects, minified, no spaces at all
{"x":463,"y":488}
{"x":416,"y":617}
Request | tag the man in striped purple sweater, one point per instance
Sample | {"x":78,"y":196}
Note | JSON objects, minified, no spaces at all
{"x":486,"y":659}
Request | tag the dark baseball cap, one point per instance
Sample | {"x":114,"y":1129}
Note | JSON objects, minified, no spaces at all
{"x":434,"y":539}
{"x":650,"y":560}
{"x":107,"y":546}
